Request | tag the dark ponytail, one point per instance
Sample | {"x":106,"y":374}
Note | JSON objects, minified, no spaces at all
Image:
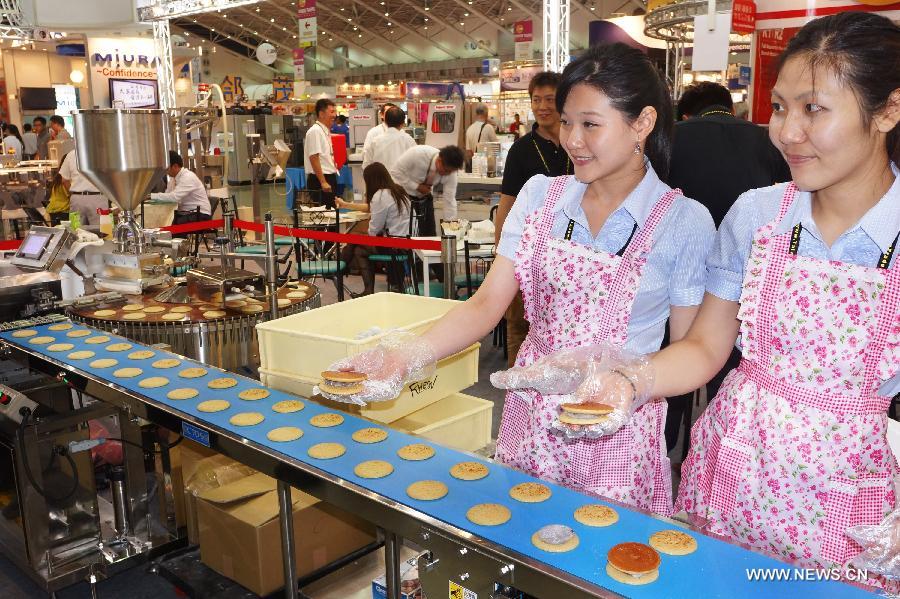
{"x":631,"y":82}
{"x":863,"y":50}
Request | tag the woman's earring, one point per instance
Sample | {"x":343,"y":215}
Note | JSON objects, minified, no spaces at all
{"x":637,"y":147}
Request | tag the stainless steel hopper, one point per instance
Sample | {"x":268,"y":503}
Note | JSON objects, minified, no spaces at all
{"x":123,"y":153}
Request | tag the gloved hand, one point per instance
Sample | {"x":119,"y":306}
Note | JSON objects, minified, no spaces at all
{"x":559,"y":373}
{"x":162,"y":199}
{"x":623,"y":383}
{"x":401,"y":357}
{"x":880,"y":542}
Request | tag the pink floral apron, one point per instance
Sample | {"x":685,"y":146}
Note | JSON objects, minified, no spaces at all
{"x":575,"y":296}
{"x":793,"y":450}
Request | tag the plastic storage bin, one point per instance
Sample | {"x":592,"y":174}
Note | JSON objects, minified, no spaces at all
{"x":305,"y":344}
{"x":459,"y":421}
{"x":454,"y":374}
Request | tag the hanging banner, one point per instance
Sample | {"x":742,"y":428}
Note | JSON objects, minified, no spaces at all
{"x":517,"y":79}
{"x":743,"y":16}
{"x":299,"y":69}
{"x":306,"y":20}
{"x":524,"y":35}
{"x":232,"y":88}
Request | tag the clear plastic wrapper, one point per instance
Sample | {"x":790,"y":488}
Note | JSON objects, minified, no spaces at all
{"x":555,"y":534}
{"x":602,"y":374}
{"x":401,"y":357}
{"x":880,"y":543}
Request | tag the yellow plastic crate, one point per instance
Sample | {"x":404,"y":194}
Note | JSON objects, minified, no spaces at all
{"x":459,"y":421}
{"x":454,"y":374}
{"x":307,"y":343}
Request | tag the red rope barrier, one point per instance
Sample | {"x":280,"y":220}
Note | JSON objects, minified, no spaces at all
{"x":12,"y":244}
{"x":390,"y":242}
{"x":193,"y":227}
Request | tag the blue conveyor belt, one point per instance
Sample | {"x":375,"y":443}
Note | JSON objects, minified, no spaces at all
{"x":716,"y":569}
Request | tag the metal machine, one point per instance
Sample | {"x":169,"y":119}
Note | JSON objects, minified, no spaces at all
{"x":360,"y":121}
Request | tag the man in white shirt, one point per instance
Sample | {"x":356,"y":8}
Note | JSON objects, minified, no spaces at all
{"x":30,"y":140}
{"x":85,"y":198}
{"x":419,"y":169}
{"x":185,"y":188}
{"x":318,"y":153}
{"x":390,"y":145}
{"x":479,"y":131}
{"x":378,"y":129}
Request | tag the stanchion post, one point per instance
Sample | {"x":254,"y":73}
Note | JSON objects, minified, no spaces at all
{"x":286,"y":519}
{"x":228,"y":217}
{"x":448,"y":259}
{"x":271,"y":267}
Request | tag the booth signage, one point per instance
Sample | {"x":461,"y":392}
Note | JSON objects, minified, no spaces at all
{"x":517,"y":79}
{"x":124,"y":64}
{"x":771,"y":14}
{"x":299,"y":64}
{"x":524,"y":35}
{"x":743,"y":16}
{"x":769,"y":45}
{"x":282,"y":87}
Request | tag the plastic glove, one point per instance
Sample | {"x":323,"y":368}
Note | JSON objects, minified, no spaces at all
{"x":162,"y":198}
{"x":559,"y":373}
{"x":401,"y":357}
{"x":880,"y":542}
{"x":622,"y":382}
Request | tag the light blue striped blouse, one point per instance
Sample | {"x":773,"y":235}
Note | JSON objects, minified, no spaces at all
{"x":675,"y":272}
{"x":862,"y":244}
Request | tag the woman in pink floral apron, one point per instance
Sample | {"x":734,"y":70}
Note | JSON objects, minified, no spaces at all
{"x":793,"y":450}
{"x":605,"y":256}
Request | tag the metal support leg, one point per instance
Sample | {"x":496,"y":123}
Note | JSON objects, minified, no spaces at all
{"x":448,"y":259}
{"x":286,"y":518}
{"x":271,"y":267}
{"x":392,"y":564}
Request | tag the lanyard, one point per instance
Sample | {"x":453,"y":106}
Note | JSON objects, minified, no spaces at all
{"x":883,"y":262}
{"x":544,"y":161}
{"x":571,"y":228}
{"x":327,"y":138}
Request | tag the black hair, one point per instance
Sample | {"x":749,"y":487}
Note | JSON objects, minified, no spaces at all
{"x":322,"y":105}
{"x":452,"y":157}
{"x":26,"y":127}
{"x":39,"y":119}
{"x":175,"y":158}
{"x":543,"y":79}
{"x":697,"y":97}
{"x":631,"y":82}
{"x":58,"y":120}
{"x":376,"y":178}
{"x":863,"y":50}
{"x":14,"y":131}
{"x":341,"y":119}
{"x":394,"y":117}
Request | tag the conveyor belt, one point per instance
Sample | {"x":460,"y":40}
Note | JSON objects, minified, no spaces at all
{"x":716,"y":569}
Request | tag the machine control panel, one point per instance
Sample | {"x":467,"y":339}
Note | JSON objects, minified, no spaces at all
{"x":12,"y":402}
{"x":41,"y":249}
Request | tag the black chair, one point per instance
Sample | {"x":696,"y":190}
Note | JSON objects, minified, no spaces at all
{"x":317,"y":258}
{"x":475,"y":270}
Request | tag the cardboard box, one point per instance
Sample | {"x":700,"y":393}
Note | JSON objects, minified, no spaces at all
{"x":205,"y":475}
{"x":186,"y":453}
{"x":410,"y":587}
{"x":240,"y":536}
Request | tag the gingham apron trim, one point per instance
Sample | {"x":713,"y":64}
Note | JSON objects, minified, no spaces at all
{"x":862,"y":403}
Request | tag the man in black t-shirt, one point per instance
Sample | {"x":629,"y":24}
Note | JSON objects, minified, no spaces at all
{"x":535,"y":153}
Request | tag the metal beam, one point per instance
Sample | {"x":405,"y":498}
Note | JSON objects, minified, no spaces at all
{"x":437,"y":19}
{"x":374,"y":34}
{"x":488,"y":20}
{"x":556,"y":34}
{"x":410,"y":30}
{"x":161,"y":34}
{"x":288,"y":48}
{"x":243,"y":43}
{"x":337,"y":35}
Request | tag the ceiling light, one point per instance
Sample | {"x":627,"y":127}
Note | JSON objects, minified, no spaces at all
{"x":359,"y":35}
{"x":272,"y":20}
{"x":257,"y":9}
{"x":390,"y":24}
{"x":425,"y":28}
{"x":461,"y":24}
{"x":465,"y":14}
